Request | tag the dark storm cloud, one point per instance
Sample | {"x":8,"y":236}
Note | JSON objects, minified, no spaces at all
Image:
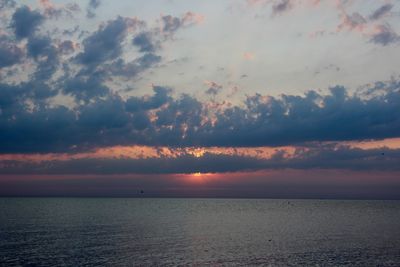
{"x":381,"y":11}
{"x":10,"y":53}
{"x":184,"y":121}
{"x":106,"y":43}
{"x":25,"y":21}
{"x":385,"y":35}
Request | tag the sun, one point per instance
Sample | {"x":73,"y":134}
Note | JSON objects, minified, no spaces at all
{"x":198,"y":177}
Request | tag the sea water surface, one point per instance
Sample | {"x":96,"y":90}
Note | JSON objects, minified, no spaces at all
{"x":200,"y":232}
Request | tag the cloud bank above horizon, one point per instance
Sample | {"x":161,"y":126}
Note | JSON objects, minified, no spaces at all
{"x":172,"y":87}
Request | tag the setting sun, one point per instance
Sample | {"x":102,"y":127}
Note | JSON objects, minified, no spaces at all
{"x":198,"y":177}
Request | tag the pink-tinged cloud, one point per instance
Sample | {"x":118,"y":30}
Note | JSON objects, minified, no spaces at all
{"x":192,"y":18}
{"x":368,"y":26}
{"x":145,"y":152}
{"x":170,"y":24}
{"x":248,"y":56}
{"x":354,"y":22}
{"x":52,"y":10}
{"x":383,"y":34}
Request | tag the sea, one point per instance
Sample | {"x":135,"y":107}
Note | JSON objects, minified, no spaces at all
{"x":198,"y":232}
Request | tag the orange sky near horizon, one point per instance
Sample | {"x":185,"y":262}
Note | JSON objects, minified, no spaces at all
{"x":136,"y":151}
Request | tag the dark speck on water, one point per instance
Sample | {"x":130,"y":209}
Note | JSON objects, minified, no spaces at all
{"x":201,"y":232}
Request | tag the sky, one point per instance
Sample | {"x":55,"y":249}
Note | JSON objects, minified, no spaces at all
{"x":181,"y":98}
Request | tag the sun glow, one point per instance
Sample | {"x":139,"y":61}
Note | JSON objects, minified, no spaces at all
{"x":198,"y":177}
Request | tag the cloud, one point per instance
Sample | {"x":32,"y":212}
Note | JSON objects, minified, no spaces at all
{"x":381,"y":34}
{"x":7,"y":4}
{"x":213,"y":88}
{"x":329,"y":67}
{"x":381,"y":11}
{"x":100,"y":54}
{"x":10,"y":53}
{"x":384,"y":35}
{"x":85,"y":88}
{"x":190,"y":18}
{"x":171,"y":24}
{"x":45,"y":54}
{"x":103,"y":49}
{"x":54,"y":11}
{"x":161,"y":96}
{"x":87,"y":76}
{"x":26,"y":21}
{"x":38,"y":45}
{"x":353,"y":22}
{"x":281,"y":7}
{"x":106,"y":43}
{"x":129,"y":70}
{"x":331,"y":156}
{"x":92,"y":6}
{"x":162,"y":120}
{"x":67,"y":47}
{"x":378,"y":34}
{"x":145,"y":42}
{"x":94,"y":3}
{"x":100,"y":57}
